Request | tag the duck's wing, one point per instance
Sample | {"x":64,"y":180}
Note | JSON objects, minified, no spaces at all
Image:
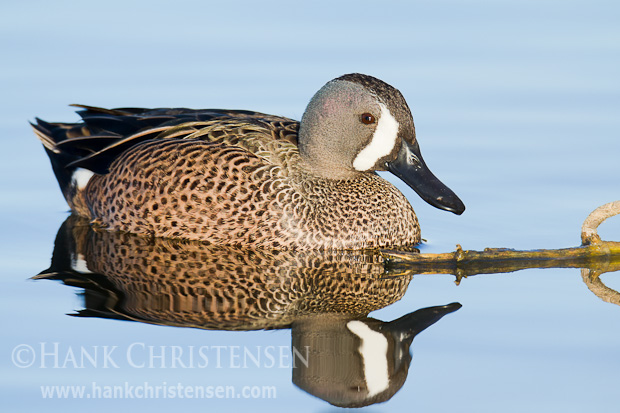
{"x":104,"y":134}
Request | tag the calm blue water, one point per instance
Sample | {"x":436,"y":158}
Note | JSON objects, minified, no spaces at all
{"x":517,"y":109}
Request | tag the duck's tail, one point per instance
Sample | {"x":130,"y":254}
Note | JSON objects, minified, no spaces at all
{"x":56,"y":139}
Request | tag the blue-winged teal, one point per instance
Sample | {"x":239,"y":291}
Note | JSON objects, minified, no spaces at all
{"x":246,"y":178}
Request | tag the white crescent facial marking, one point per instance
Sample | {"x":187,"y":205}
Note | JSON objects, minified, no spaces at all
{"x":81,"y":177}
{"x":382,"y":141}
{"x":373,"y":350}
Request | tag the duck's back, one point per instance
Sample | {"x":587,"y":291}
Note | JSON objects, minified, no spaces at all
{"x":104,"y":134}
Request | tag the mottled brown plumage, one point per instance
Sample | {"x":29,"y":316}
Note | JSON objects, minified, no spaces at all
{"x":242,"y":178}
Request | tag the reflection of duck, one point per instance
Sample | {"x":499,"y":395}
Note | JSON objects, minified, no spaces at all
{"x":196,"y":285}
{"x":324,"y":297}
{"x":246,"y":178}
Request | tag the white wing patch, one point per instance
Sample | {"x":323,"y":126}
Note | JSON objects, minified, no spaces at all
{"x":80,"y":178}
{"x":382,"y":141}
{"x":373,"y":350}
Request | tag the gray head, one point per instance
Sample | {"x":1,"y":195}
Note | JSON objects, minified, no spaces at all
{"x":354,"y":123}
{"x":357,"y":124}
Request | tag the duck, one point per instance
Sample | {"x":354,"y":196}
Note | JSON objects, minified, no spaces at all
{"x":245,"y":178}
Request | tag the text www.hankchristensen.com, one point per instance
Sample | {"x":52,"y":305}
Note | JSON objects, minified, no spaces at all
{"x":160,"y":391}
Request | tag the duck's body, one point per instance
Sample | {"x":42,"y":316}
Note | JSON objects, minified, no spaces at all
{"x":237,"y":177}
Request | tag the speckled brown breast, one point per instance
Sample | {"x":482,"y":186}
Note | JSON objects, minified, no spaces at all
{"x":241,"y":183}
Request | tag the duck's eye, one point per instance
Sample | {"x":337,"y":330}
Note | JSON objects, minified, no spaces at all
{"x":367,"y":118}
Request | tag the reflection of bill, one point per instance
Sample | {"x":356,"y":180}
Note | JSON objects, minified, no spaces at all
{"x":355,"y":363}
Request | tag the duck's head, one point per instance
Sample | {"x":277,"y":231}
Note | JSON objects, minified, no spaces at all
{"x":358,"y":123}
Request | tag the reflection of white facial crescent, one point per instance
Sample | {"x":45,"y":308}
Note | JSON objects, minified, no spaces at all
{"x":382,"y":142}
{"x":373,"y":350}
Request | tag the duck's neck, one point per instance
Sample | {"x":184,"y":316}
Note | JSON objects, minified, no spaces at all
{"x":327,"y":170}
